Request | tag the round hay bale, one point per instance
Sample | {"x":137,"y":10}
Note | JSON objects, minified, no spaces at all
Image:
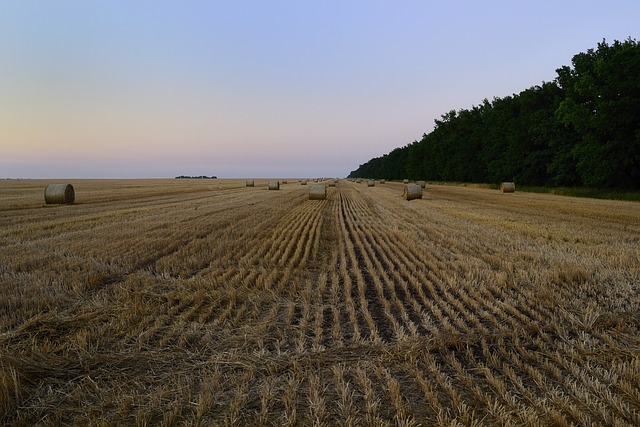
{"x":422,"y":184}
{"x":358,"y":181}
{"x":317,"y":192}
{"x":508,"y":187}
{"x":59,"y":194}
{"x":412,"y":192}
{"x":371,"y":183}
{"x":405,"y":181}
{"x":249,"y":183}
{"x":303,"y":182}
{"x":274,"y":185}
{"x":382,"y":181}
{"x":284,"y":181}
{"x":332,"y":183}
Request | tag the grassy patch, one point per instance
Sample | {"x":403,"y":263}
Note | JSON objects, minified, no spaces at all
{"x":594,"y":193}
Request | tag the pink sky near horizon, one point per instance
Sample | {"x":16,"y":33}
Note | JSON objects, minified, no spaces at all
{"x":238,"y":89}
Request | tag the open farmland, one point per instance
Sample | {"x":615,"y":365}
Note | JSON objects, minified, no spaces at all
{"x":206,"y":302}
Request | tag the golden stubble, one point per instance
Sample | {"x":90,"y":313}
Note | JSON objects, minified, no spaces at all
{"x":211,"y":303}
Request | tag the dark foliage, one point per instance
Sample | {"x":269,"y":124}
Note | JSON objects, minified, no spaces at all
{"x":582,"y":129}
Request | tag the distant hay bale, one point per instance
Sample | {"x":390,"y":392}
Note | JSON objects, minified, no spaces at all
{"x":59,"y":194}
{"x":303,"y":182}
{"x":382,"y":181}
{"x":284,"y":181}
{"x":422,"y":184}
{"x":317,"y":192}
{"x":412,"y":191}
{"x":249,"y":183}
{"x":332,"y":183}
{"x":508,"y":187}
{"x":274,"y":185}
{"x":371,"y":183}
{"x":405,"y":181}
{"x":358,"y":181}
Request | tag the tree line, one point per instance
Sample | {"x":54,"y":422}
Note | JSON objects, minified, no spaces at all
{"x":582,"y":129}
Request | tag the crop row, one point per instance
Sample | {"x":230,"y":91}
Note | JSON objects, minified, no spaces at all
{"x":241,"y":306}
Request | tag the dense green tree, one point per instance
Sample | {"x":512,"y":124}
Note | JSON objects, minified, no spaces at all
{"x":581,"y":129}
{"x":602,"y":104}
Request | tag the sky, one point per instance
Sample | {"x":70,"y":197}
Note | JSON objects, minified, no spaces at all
{"x":157,"y":89}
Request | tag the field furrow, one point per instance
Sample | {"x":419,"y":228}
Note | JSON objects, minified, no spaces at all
{"x":205,"y":302}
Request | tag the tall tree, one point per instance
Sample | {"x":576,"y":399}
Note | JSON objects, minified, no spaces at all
{"x":581,"y":129}
{"x":602,"y":103}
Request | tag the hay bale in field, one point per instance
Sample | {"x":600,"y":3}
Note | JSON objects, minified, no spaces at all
{"x":358,"y":181}
{"x":59,"y":194}
{"x":274,"y":185}
{"x":249,"y":183}
{"x":371,"y":183}
{"x":405,"y":181}
{"x":303,"y":182}
{"x":284,"y":181}
{"x":382,"y":181}
{"x":332,"y":183}
{"x":317,"y":192}
{"x":422,"y":184}
{"x":412,"y":192}
{"x":508,"y":187}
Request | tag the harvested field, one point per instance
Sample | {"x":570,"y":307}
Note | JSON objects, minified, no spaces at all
{"x":182,"y":302}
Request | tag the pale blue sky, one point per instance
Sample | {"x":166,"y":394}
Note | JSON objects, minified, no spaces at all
{"x":127,"y":89}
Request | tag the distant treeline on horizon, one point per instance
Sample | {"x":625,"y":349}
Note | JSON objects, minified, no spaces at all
{"x":581,"y":130}
{"x":196,"y":177}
